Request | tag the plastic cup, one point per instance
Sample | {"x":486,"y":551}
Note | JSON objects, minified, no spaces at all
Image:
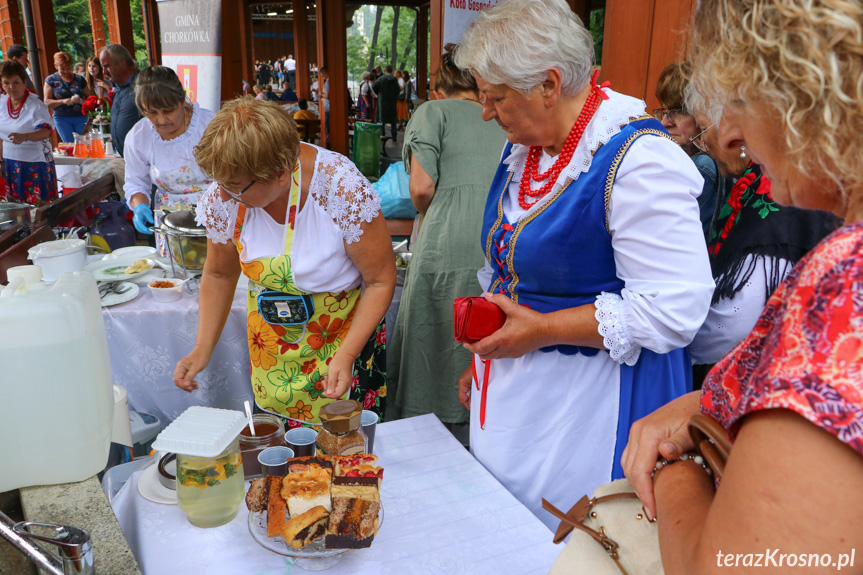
{"x":302,"y":441}
{"x":369,"y":421}
{"x":274,"y":460}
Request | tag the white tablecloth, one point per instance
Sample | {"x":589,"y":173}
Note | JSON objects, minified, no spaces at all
{"x":147,"y":338}
{"x":444,"y":515}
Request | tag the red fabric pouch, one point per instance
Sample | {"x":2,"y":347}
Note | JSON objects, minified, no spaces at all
{"x":475,"y":318}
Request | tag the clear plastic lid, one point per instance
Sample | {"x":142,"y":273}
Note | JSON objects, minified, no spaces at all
{"x":201,"y":431}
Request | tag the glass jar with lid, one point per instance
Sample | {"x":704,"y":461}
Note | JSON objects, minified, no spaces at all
{"x":341,"y":433}
{"x":210,"y":489}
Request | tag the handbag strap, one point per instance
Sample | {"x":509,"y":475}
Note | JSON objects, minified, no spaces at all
{"x":578,"y":514}
{"x":711,"y":441}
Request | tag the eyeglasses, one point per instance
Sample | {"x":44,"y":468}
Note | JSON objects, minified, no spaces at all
{"x":672,"y":113}
{"x":240,"y":193}
{"x":696,"y":139}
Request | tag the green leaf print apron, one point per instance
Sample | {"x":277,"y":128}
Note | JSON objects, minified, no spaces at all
{"x":288,"y":363}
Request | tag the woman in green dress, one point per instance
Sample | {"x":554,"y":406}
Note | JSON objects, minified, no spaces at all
{"x":451,"y":155}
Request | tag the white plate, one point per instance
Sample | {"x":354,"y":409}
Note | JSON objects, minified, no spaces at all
{"x":113,"y":270}
{"x":150,"y":488}
{"x":115,"y":298}
{"x":136,"y":252}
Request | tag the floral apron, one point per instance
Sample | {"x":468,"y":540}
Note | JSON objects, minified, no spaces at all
{"x":288,"y":363}
{"x":177,"y":189}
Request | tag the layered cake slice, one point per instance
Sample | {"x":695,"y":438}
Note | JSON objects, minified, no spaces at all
{"x":307,"y":485}
{"x":306,"y":527}
{"x":354,"y":517}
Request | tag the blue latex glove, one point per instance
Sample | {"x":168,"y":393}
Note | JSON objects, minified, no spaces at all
{"x":143,"y":215}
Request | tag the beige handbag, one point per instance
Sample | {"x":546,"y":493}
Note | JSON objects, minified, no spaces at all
{"x":611,"y":534}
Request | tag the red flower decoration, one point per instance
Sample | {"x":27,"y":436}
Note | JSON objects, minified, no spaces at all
{"x":369,"y":400}
{"x":293,"y":424}
{"x":355,"y":382}
{"x":308,"y":367}
{"x":381,"y":336}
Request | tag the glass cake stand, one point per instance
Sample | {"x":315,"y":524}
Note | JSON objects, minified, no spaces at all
{"x":312,"y":557}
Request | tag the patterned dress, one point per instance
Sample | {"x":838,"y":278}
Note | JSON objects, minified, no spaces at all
{"x":28,"y":167}
{"x":805,"y":353}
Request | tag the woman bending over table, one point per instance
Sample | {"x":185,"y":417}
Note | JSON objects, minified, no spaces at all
{"x":592,"y":222}
{"x":297,"y":220}
{"x":25,"y":126}
{"x":160,"y":148}
{"x":786,"y":73}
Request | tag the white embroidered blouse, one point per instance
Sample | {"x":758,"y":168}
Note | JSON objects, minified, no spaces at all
{"x":340,"y":200}
{"x":659,"y":247}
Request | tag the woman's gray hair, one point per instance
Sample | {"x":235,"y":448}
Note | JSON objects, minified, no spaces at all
{"x":696,"y":103}
{"x":365,"y":76}
{"x":158,"y":88}
{"x":517,"y":42}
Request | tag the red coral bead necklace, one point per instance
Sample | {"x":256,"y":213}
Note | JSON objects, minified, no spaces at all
{"x":531,"y":168}
{"x":14,"y":113}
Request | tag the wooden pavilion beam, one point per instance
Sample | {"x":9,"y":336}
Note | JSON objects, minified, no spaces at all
{"x":301,"y":48}
{"x":237,"y":62}
{"x":422,"y":51}
{"x":120,"y":24}
{"x":151,"y":32}
{"x":437,"y":8}
{"x":46,"y":39}
{"x":97,"y":23}
{"x":10,"y":25}
{"x":332,"y":53}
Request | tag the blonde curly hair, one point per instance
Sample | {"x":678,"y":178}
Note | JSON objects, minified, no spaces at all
{"x":802,"y":57}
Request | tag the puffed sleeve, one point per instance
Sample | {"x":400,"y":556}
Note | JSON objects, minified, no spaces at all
{"x":137,"y":153}
{"x":345,"y":194}
{"x":42,"y":116}
{"x":216,"y":214}
{"x":659,"y":251}
{"x":423,"y":139}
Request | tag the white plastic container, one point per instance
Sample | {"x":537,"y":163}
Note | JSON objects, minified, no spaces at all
{"x":167,"y":294}
{"x":59,"y":256}
{"x":55,"y":381}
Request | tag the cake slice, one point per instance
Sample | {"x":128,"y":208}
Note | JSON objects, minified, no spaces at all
{"x":356,"y":464}
{"x":306,"y":527}
{"x":258,"y":497}
{"x":354,"y":518}
{"x":302,"y":464}
{"x":276,"y":507}
{"x":307,"y":486}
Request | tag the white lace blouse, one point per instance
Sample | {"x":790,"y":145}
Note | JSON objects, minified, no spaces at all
{"x":656,"y":235}
{"x":340,"y":200}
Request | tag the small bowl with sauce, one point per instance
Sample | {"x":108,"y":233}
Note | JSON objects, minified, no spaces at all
{"x":269,"y":432}
{"x":166,"y":290}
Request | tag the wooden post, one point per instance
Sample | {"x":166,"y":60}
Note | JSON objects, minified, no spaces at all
{"x":437,"y":14}
{"x":301,"y":48}
{"x":236,"y":48}
{"x":641,"y":38}
{"x":97,"y":22}
{"x":332,"y":53}
{"x":46,"y":39}
{"x":422,"y":51}
{"x":120,"y":24}
{"x":10,"y":24}
{"x":151,"y":32}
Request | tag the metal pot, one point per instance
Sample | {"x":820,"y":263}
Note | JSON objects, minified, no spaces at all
{"x":12,"y":214}
{"x":187,"y":240}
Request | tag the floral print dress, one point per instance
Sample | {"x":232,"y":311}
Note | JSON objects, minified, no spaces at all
{"x":805,"y":353}
{"x":288,"y":363}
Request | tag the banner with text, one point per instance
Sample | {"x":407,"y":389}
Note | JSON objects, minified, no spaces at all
{"x":191,"y":37}
{"x":458,"y":14}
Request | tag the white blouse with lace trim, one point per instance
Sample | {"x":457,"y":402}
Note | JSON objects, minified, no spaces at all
{"x":659,"y":248}
{"x":340,"y":200}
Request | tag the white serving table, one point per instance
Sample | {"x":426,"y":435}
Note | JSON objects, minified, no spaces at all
{"x":444,"y":515}
{"x":147,"y":338}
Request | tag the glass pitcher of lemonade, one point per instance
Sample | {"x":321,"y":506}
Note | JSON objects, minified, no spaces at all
{"x":97,"y":147}
{"x":210,"y":489}
{"x":82,"y":146}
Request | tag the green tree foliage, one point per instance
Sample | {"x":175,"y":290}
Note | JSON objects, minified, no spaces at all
{"x":360,"y":39}
{"x":75,"y":33}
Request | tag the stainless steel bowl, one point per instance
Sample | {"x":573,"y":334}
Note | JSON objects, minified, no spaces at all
{"x":168,"y":471}
{"x":12,"y":214}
